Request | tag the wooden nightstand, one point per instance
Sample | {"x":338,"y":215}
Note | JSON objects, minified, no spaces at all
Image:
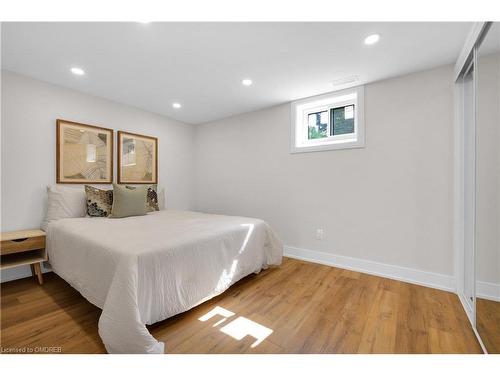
{"x":24,"y":247}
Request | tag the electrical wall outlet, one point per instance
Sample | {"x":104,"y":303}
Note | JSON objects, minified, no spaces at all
{"x":320,"y":234}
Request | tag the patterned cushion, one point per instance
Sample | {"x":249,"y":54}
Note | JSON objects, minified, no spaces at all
{"x":99,"y":202}
{"x":152,"y":198}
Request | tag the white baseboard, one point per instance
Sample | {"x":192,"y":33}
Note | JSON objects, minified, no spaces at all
{"x":487,"y":290}
{"x":410,"y":275}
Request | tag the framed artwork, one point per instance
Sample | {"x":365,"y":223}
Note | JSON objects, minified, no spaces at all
{"x":137,"y":159}
{"x":84,"y":153}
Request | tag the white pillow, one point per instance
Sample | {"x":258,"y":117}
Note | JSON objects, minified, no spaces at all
{"x":64,"y":202}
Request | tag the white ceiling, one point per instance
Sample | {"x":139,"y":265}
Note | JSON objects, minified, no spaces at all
{"x":201,"y":65}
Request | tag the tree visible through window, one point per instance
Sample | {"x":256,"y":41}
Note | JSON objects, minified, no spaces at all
{"x":318,"y":125}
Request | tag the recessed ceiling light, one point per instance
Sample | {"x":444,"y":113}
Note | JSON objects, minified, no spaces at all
{"x":77,"y":71}
{"x":372,"y":39}
{"x":176,"y":105}
{"x":246,"y":82}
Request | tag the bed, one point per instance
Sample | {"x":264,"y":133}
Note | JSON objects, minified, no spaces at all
{"x":143,"y":269}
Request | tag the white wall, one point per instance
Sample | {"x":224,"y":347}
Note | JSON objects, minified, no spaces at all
{"x":29,"y":112}
{"x":389,"y":202}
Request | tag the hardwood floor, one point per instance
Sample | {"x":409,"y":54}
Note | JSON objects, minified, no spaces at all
{"x":310,"y":308}
{"x":488,"y":324}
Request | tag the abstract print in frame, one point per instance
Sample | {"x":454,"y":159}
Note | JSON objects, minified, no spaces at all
{"x":84,"y":153}
{"x":137,"y":159}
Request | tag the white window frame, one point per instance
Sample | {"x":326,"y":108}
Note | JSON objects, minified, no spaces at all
{"x":301,"y":109}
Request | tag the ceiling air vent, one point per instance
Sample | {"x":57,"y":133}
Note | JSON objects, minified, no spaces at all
{"x":345,"y":80}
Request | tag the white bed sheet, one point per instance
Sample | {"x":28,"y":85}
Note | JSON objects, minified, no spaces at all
{"x":144,"y":269}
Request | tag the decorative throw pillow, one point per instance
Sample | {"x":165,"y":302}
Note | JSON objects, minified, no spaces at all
{"x":152,"y":201}
{"x":99,"y":202}
{"x":129,"y":200}
{"x":152,"y":198}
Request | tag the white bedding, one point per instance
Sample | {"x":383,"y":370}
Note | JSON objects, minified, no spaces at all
{"x":144,"y":269}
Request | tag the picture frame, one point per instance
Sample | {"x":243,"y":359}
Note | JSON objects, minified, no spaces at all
{"x":84,"y":153}
{"x":137,"y":158}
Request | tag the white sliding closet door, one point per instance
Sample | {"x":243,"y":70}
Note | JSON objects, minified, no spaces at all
{"x":469,"y":184}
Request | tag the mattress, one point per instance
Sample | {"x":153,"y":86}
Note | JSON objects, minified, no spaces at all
{"x":144,"y":269}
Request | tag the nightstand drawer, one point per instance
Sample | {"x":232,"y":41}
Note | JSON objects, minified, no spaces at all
{"x":22,"y":244}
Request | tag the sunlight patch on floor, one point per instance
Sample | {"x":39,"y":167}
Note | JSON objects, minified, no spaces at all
{"x":216,"y":311}
{"x":241,"y":327}
{"x":238,"y":328}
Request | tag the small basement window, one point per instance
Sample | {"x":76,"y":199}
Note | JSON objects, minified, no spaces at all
{"x":328,"y":122}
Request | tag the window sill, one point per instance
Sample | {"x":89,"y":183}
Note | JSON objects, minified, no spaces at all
{"x":327,"y":147}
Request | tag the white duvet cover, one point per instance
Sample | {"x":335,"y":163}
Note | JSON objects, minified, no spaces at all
{"x":144,"y":269}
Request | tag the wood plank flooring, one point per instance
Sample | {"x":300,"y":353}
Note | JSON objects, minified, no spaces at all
{"x":299,"y":307}
{"x":488,"y":324}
